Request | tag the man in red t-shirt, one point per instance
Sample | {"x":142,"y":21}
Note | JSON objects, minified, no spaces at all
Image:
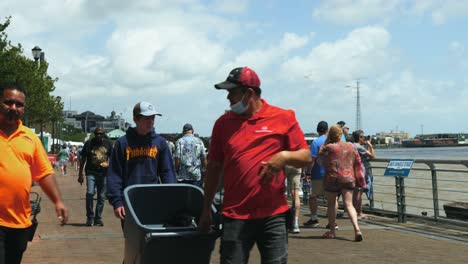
{"x":251,"y":145}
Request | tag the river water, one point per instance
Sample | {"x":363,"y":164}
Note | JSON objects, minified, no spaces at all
{"x":457,"y":153}
{"x":451,"y":179}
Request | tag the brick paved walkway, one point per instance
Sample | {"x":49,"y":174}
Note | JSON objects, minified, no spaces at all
{"x":385,"y":241}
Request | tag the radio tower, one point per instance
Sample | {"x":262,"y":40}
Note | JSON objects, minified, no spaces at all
{"x":358,"y":107}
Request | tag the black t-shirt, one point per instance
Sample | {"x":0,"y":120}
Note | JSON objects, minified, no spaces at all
{"x":95,"y":153}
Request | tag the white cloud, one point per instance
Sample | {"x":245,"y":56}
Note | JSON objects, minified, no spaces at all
{"x":355,"y":11}
{"x":162,"y":52}
{"x":261,"y":59}
{"x":358,"y":12}
{"x":441,"y":11}
{"x":364,"y":51}
{"x":40,"y":17}
{"x":293,"y":41}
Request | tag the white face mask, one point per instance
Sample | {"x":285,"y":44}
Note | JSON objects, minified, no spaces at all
{"x":239,"y":107}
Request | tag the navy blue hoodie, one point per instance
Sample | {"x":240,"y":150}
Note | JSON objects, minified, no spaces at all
{"x":138,"y":159}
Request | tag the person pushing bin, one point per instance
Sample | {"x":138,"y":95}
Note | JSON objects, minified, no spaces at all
{"x":139,"y":157}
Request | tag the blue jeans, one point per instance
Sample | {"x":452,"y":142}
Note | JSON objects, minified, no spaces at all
{"x":239,"y":236}
{"x":94,"y":183}
{"x":13,"y":243}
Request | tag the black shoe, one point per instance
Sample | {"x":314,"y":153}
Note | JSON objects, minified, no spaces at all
{"x":98,"y":223}
{"x":311,"y":223}
{"x":89,"y":222}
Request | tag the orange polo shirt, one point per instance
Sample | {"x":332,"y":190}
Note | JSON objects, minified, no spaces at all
{"x":22,"y":159}
{"x":241,"y":144}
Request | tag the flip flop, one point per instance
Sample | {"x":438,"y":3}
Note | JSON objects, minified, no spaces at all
{"x":363,"y":217}
{"x":329,"y":235}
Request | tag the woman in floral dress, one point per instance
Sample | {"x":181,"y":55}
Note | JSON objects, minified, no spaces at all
{"x":343,"y":173}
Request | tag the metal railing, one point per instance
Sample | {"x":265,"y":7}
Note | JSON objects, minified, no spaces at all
{"x":430,"y":184}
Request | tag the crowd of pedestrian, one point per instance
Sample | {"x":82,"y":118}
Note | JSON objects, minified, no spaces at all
{"x":252,"y":170}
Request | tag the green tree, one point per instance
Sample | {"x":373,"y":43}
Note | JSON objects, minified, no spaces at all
{"x":71,"y":133}
{"x":42,"y":108}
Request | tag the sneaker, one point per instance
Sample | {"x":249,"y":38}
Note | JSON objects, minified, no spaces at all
{"x":89,"y":222}
{"x":311,"y":223}
{"x":295,"y":229}
{"x":336,"y":226}
{"x":98,"y":223}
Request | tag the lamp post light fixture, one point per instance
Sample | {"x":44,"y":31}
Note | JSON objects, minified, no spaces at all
{"x":36,"y":52}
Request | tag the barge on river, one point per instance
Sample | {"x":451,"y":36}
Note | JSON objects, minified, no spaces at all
{"x":437,"y":140}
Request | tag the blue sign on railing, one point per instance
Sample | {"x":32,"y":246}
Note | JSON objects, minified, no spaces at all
{"x":399,"y":167}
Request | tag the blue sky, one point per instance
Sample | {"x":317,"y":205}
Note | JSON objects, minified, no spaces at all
{"x":411,"y":58}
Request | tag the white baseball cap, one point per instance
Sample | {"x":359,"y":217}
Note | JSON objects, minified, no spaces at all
{"x":145,"y":109}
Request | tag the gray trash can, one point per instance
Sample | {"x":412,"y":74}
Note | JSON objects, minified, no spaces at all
{"x":160,"y":224}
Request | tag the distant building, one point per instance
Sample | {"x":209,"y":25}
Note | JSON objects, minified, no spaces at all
{"x":114,"y":121}
{"x":72,"y":121}
{"x":398,"y":136}
{"x":388,"y":140}
{"x":69,"y":113}
{"x":88,"y":121}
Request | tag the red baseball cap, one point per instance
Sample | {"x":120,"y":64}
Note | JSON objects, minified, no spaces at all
{"x":241,"y":76}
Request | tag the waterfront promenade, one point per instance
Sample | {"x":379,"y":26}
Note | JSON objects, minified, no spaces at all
{"x":385,"y":241}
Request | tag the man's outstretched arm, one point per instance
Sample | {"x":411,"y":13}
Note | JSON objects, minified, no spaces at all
{"x":50,"y":188}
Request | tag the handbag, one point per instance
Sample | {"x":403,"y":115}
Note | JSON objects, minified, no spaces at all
{"x":359,"y":171}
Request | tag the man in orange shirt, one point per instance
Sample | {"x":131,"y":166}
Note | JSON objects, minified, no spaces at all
{"x":251,"y":145}
{"x":22,"y":161}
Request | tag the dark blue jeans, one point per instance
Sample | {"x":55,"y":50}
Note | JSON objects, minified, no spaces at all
{"x":13,"y":243}
{"x":239,"y":236}
{"x":93,"y":184}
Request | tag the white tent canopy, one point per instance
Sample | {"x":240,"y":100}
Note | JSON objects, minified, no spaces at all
{"x":116,"y":133}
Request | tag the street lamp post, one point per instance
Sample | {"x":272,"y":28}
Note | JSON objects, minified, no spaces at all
{"x":57,"y":128}
{"x":38,"y":54}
